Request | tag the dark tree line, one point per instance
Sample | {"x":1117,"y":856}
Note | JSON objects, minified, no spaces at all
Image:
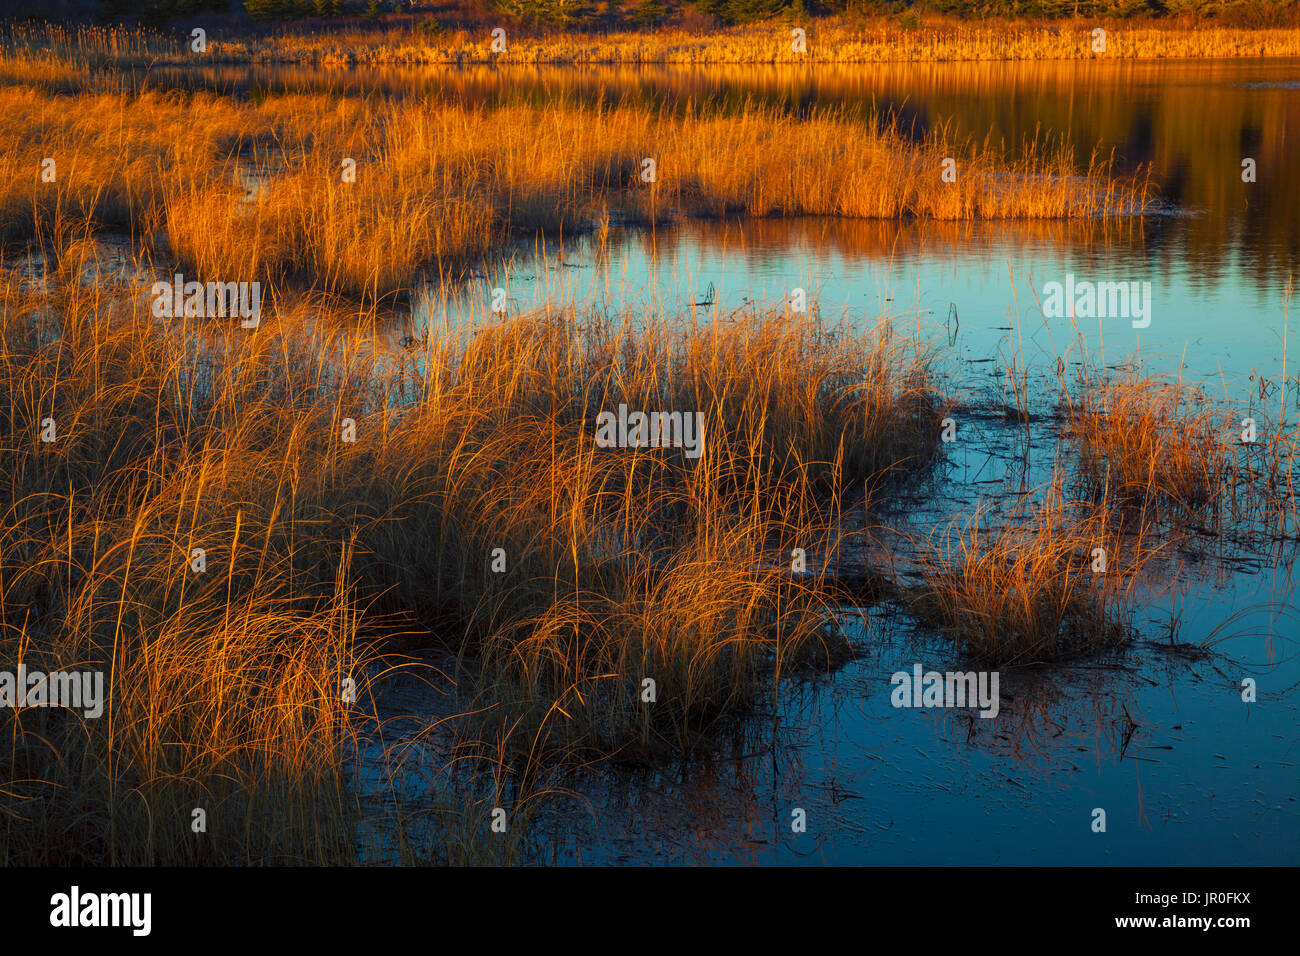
{"x":654,"y":12}
{"x":158,"y":9}
{"x":161,"y":10}
{"x":1244,"y":11}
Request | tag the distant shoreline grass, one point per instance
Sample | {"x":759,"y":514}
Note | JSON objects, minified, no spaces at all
{"x":438,"y":185}
{"x":828,"y":40}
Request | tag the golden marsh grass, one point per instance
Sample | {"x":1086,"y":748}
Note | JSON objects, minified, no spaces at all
{"x":1167,"y":448}
{"x":225,"y":681}
{"x":831,"y":40}
{"x":1028,"y":587}
{"x":247,"y":191}
{"x":322,"y":554}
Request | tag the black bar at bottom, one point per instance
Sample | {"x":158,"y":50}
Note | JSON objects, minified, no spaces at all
{"x":337,"y":907}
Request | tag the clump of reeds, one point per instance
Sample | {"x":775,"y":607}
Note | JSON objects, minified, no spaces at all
{"x":1049,"y":580}
{"x":1153,"y":444}
{"x":224,"y":684}
{"x":614,"y":557}
{"x":621,"y":564}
